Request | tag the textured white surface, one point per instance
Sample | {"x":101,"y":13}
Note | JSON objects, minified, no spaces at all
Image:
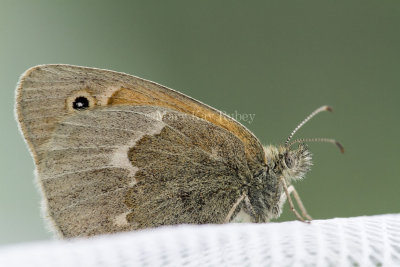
{"x":359,"y":241}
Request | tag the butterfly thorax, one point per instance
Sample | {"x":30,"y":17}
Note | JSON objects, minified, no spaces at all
{"x":267,"y":195}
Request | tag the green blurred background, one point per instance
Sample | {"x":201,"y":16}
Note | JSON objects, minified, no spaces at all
{"x":277,"y":59}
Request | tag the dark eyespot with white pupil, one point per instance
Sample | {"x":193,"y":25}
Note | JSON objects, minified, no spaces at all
{"x":80,"y":103}
{"x":289,"y":161}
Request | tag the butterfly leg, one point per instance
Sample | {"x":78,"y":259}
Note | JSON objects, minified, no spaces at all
{"x":232,"y":210}
{"x":285,"y":187}
{"x":296,"y":196}
{"x":251,"y":209}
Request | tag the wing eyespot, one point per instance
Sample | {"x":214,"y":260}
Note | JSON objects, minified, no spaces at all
{"x":80,"y":100}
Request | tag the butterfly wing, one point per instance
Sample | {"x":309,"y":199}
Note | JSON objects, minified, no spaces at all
{"x":121,"y":168}
{"x":123,"y":165}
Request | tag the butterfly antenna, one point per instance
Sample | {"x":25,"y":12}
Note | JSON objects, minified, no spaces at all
{"x":309,"y":117}
{"x":325,"y":140}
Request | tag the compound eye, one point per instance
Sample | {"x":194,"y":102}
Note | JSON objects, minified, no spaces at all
{"x":289,"y":162}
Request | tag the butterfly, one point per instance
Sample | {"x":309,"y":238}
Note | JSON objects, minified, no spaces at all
{"x":114,"y":152}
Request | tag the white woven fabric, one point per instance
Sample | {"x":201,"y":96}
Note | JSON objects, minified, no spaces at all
{"x":360,"y":241}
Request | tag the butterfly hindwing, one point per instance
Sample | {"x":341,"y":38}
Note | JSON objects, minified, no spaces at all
{"x":123,"y":168}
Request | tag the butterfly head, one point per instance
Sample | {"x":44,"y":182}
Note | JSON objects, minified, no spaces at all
{"x":292,"y":164}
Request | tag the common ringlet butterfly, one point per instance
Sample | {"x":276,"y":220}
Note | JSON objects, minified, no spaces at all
{"x":114,"y":152}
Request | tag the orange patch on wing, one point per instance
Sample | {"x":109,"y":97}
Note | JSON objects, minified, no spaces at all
{"x":142,"y":96}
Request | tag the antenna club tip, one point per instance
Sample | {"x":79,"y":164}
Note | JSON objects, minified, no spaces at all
{"x":328,"y":108}
{"x":340,"y":146}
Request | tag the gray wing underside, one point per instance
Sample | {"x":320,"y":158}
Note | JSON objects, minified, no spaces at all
{"x":122,"y":168}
